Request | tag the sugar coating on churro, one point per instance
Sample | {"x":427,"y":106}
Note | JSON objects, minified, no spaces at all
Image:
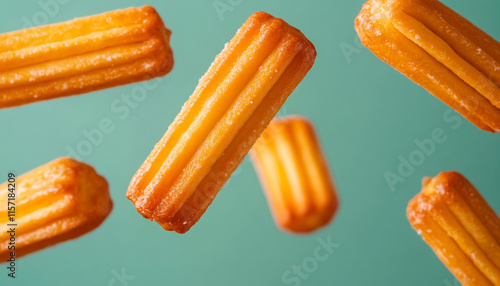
{"x":83,"y":55}
{"x":460,"y":226}
{"x":234,"y":101}
{"x":58,"y":201}
{"x":439,"y":50}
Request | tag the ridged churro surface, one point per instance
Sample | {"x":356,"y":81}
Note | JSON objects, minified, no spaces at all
{"x":460,"y":226}
{"x":295,"y":175}
{"x":58,"y":201}
{"x":439,"y":50}
{"x":83,"y":55}
{"x":233,"y":103}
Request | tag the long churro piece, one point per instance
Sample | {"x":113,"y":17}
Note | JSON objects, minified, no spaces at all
{"x":439,"y":50}
{"x":58,"y":201}
{"x":83,"y":55}
{"x":233,"y":103}
{"x":460,"y":226}
{"x":294,"y":174}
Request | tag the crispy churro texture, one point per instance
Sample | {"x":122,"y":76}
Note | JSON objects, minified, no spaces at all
{"x":83,"y":55}
{"x":58,"y":201}
{"x":295,"y":175}
{"x":233,"y":103}
{"x":460,"y":226}
{"x":439,"y":50}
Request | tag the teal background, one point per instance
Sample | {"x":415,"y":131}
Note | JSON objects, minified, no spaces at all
{"x":366,"y":114}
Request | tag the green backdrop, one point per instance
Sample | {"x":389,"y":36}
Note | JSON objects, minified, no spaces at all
{"x":368,"y":117}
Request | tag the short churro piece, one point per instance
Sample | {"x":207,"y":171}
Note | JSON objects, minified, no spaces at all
{"x":234,"y":101}
{"x":294,"y":175}
{"x":83,"y":55}
{"x":58,"y":201}
{"x":439,"y":50}
{"x":460,"y":226}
